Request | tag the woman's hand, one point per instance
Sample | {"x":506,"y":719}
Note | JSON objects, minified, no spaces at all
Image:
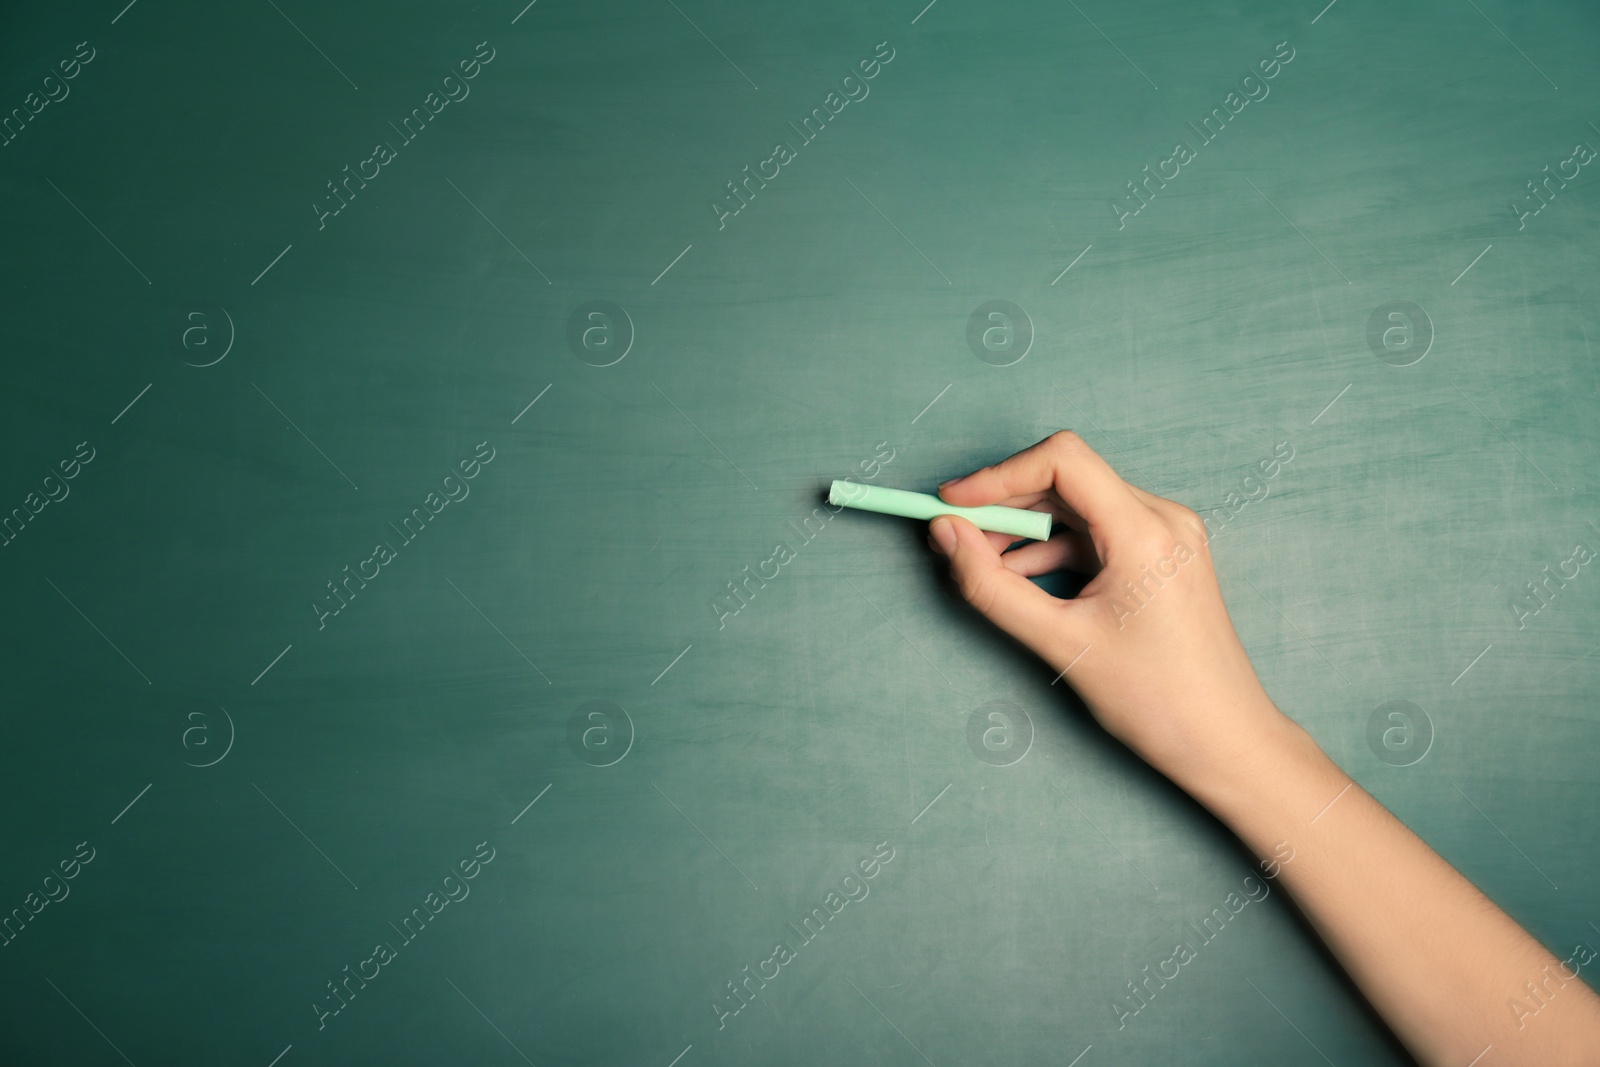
{"x":1149,"y":646}
{"x":1148,"y":643}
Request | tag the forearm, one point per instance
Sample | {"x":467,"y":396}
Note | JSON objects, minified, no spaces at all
{"x":1437,"y":959}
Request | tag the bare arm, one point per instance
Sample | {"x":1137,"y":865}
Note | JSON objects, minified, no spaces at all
{"x":1442,"y":964}
{"x":1149,"y":647}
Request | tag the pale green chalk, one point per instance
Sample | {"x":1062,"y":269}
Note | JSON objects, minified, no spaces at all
{"x":1014,"y":521}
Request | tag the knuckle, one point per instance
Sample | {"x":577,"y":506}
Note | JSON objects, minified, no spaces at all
{"x":1152,"y":540}
{"x":1182,"y":519}
{"x":1185,"y":516}
{"x":1065,"y":440}
{"x":1193,"y":528}
{"x":1157,"y":546}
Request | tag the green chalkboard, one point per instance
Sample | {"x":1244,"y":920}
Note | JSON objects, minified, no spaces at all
{"x":426,"y":639}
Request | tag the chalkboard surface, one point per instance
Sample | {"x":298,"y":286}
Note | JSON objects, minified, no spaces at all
{"x":425,"y":637}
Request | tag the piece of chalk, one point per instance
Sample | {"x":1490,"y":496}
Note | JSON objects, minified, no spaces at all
{"x":1014,"y":521}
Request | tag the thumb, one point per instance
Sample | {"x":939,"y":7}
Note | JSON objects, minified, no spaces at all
{"x":1005,"y":597}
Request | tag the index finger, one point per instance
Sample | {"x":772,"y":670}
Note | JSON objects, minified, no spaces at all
{"x":1061,"y":462}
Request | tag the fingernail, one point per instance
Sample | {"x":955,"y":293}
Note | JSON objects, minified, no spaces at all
{"x":950,"y":482}
{"x":944,"y":532}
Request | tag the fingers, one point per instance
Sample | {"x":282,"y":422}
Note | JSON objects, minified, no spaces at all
{"x":1000,"y":541}
{"x":1061,"y":462}
{"x":1073,"y":551}
{"x":1005,"y":597}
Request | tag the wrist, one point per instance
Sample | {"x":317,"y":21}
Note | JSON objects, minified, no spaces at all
{"x":1275,"y":783}
{"x":1257,"y":760}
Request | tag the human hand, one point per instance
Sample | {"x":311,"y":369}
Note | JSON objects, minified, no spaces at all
{"x":1147,"y":643}
{"x":1149,"y":647}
